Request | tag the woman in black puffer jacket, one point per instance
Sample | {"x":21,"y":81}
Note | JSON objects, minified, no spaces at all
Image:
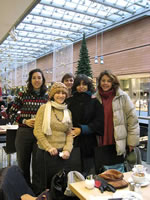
{"x":88,"y":120}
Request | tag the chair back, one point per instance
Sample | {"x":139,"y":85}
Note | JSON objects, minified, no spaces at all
{"x":3,"y":121}
{"x":2,"y":138}
{"x":10,"y":141}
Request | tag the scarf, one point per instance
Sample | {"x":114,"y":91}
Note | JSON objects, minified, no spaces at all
{"x":107,"y":97}
{"x":46,"y":129}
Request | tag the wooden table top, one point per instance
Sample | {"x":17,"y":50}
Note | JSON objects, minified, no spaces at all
{"x":82,"y":193}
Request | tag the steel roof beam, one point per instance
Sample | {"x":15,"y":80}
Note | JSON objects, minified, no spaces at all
{"x":54,"y":5}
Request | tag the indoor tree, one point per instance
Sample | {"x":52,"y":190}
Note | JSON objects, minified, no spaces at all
{"x":84,"y":66}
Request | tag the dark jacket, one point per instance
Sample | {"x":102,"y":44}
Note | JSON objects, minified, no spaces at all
{"x":87,"y":114}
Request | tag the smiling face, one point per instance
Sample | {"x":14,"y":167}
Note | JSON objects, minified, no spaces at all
{"x":68,"y":82}
{"x":106,"y":83}
{"x":37,"y":80}
{"x":82,"y":87}
{"x":59,"y":97}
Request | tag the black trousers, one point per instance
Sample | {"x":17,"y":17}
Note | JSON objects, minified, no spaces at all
{"x":49,"y":165}
{"x":26,"y":147}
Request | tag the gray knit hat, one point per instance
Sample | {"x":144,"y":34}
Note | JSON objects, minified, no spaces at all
{"x":56,"y":87}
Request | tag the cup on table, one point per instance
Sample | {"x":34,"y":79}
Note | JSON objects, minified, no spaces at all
{"x":139,"y":168}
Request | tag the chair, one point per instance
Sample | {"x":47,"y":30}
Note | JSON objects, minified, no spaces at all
{"x":10,"y":144}
{"x":2,"y":141}
{"x":3,"y":121}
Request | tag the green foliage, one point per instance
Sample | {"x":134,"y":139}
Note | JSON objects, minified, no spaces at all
{"x":84,"y":66}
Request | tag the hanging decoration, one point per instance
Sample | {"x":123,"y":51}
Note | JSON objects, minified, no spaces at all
{"x":62,"y":61}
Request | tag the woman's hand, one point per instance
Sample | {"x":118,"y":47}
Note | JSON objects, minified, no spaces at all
{"x":53,"y":151}
{"x":27,"y":197}
{"x":30,"y":122}
{"x":66,"y":155}
{"x":131,"y":148}
{"x":75,"y":132}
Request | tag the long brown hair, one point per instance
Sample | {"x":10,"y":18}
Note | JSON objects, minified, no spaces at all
{"x":30,"y":88}
{"x":114,"y":79}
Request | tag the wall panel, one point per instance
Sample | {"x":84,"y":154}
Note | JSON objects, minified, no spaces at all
{"x":124,"y":50}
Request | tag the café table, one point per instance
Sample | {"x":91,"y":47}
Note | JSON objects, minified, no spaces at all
{"x":82,"y":193}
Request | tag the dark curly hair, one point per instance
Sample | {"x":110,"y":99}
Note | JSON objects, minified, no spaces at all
{"x":30,"y":88}
{"x":86,"y":80}
{"x":114,"y":79}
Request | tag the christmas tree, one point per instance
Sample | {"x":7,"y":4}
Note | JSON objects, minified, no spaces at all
{"x":84,"y":66}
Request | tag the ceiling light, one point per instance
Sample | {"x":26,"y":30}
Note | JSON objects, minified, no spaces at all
{"x":101,"y":49}
{"x":147,"y":5}
{"x":96,"y":60}
{"x":96,"y":57}
{"x":102,"y":60}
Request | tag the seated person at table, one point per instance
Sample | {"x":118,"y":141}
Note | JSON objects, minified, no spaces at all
{"x":13,"y":186}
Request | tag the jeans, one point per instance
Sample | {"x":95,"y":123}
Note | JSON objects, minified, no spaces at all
{"x":14,"y":184}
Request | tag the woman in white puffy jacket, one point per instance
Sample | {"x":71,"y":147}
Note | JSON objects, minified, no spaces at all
{"x":121,"y":127}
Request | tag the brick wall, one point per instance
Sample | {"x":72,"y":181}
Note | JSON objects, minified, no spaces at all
{"x":126,"y":50}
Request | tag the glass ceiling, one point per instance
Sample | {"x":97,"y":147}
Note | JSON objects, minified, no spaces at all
{"x":55,"y":23}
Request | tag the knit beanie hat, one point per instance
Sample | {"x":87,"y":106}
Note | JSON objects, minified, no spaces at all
{"x":56,"y":87}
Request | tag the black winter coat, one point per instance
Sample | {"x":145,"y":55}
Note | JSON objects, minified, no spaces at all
{"x":86,"y":111}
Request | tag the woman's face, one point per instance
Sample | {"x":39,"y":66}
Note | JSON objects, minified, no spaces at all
{"x":106,"y":83}
{"x":37,"y":80}
{"x":82,"y":87}
{"x":59,"y":97}
{"x":69,"y":82}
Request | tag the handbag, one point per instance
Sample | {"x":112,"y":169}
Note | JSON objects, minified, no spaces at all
{"x":73,"y":177}
{"x":58,"y":185}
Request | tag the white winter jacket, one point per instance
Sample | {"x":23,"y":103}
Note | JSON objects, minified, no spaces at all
{"x":126,"y":126}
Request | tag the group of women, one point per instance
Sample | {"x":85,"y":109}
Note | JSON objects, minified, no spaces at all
{"x":72,"y":121}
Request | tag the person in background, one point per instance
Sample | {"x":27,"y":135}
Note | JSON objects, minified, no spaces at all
{"x":121,"y":123}
{"x":3,"y":113}
{"x":68,"y":80}
{"x":28,"y":103}
{"x":88,"y":120}
{"x":9,"y":104}
{"x":2,"y":102}
{"x":52,"y":126}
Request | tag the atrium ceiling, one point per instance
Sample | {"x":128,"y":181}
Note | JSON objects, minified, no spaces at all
{"x":53,"y":24}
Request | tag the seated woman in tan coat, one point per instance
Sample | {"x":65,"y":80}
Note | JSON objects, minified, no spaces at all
{"x":52,"y":126}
